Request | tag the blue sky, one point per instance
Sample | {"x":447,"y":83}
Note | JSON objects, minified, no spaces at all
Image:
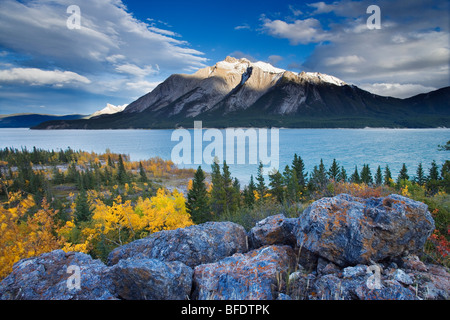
{"x":124,"y":49}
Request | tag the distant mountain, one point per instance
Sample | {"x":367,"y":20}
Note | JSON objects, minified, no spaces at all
{"x":27,"y":120}
{"x":240,"y":93}
{"x":109,"y":109}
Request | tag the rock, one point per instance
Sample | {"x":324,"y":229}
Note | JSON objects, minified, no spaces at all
{"x":412,"y":262}
{"x":356,"y":271}
{"x":349,"y":230}
{"x":433,"y":284}
{"x":151,"y":279}
{"x":390,"y":290}
{"x":275,"y":229}
{"x":402,"y":277}
{"x":47,"y":278}
{"x":299,"y":285}
{"x":256,"y":275}
{"x":194,"y":245}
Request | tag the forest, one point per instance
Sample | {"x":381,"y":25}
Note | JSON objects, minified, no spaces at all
{"x":92,"y":203}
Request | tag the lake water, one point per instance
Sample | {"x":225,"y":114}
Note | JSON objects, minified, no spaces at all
{"x":349,"y":147}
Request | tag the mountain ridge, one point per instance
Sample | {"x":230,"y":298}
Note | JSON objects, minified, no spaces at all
{"x":243,"y":93}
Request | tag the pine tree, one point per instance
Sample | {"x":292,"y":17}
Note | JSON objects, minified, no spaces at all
{"x":366,"y":175}
{"x":343,"y":175}
{"x":355,"y":176}
{"x":334,"y":171}
{"x":318,"y":180}
{"x":420,"y":175}
{"x":299,"y":167}
{"x":260,"y":186}
{"x":387,"y":175}
{"x":217,"y":191}
{"x":82,"y":209}
{"x":434,"y":172}
{"x":122,"y":176}
{"x":403,"y":174}
{"x":249,"y":193}
{"x":142,"y":174}
{"x":293,"y":188}
{"x":276,"y":185}
{"x":231,"y":197}
{"x":378,"y":177}
{"x":197,"y":204}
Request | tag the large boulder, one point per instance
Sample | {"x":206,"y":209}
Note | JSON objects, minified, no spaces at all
{"x":151,"y":279}
{"x":276,"y":229}
{"x":58,"y":275}
{"x":194,"y":245}
{"x":257,"y":275}
{"x":349,"y":230}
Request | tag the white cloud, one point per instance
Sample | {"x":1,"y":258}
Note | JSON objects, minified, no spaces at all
{"x":396,"y":89}
{"x":111,"y":48}
{"x":300,"y":32}
{"x":34,"y":76}
{"x":242,"y":27}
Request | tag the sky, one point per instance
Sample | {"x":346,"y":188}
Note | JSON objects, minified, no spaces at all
{"x":75,"y":56}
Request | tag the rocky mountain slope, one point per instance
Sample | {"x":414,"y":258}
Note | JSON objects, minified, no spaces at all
{"x":341,"y":248}
{"x":242,"y":93}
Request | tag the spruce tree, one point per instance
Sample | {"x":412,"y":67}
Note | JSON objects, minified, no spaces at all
{"x":355,"y":176}
{"x":142,"y":174}
{"x":197,"y":204}
{"x":403,"y":174}
{"x":378,"y":177}
{"x":260,"y":186}
{"x":366,"y":175}
{"x":299,"y":167}
{"x":420,"y":178}
{"x":122,"y":176}
{"x":433,"y":172}
{"x":343,"y":175}
{"x":276,"y":185}
{"x":387,"y":176}
{"x":293,"y":188}
{"x":217,"y":194}
{"x":82,"y":209}
{"x":334,"y":171}
{"x":249,"y":193}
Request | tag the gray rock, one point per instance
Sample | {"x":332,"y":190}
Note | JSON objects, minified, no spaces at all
{"x":151,"y":279}
{"x":256,"y":275}
{"x":194,"y":245}
{"x":402,"y":277}
{"x":275,"y":229}
{"x":47,"y":278}
{"x":349,"y":230}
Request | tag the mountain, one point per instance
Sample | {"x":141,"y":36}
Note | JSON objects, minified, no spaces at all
{"x":109,"y":109}
{"x":27,"y":120}
{"x":241,"y":93}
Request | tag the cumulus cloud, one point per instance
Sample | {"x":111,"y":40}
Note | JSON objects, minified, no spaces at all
{"x":111,"y":46}
{"x":34,"y":76}
{"x":408,"y":55}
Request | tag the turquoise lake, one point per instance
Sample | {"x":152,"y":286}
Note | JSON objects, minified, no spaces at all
{"x":349,"y":147}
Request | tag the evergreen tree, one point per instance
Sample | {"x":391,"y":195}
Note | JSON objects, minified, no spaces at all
{"x":378,"y":177}
{"x":142,"y":174}
{"x":334,"y":171}
{"x":403,"y":174}
{"x":122,"y":176}
{"x":82,"y":209}
{"x":110,"y":163}
{"x":318,"y":180}
{"x":197,"y":204}
{"x":434,"y":172}
{"x":260,"y":186}
{"x":231,"y":197}
{"x":343,"y":175}
{"x":293,"y":188}
{"x":354,"y":178}
{"x":420,"y":175}
{"x":387,"y":176}
{"x":276,"y":185}
{"x":217,"y":194}
{"x":299,"y":167}
{"x":249,"y":193}
{"x":366,"y":175}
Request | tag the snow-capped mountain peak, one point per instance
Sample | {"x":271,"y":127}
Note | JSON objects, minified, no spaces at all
{"x":109,"y":109}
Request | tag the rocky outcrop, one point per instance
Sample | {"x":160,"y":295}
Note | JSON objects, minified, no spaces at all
{"x":194,"y":245}
{"x":56,"y":276}
{"x":151,"y":279}
{"x":256,"y":275}
{"x":348,"y":230}
{"x":339,"y":248}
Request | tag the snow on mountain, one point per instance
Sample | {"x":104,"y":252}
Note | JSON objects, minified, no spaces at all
{"x":109,"y":109}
